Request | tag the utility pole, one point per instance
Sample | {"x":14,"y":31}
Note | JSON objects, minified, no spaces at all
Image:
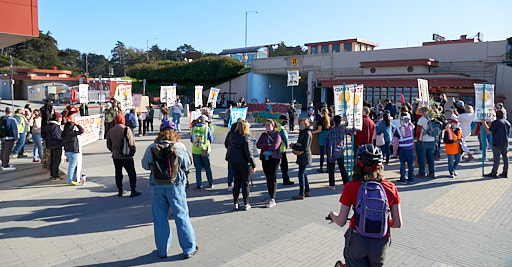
{"x":247,"y":12}
{"x":12,"y":83}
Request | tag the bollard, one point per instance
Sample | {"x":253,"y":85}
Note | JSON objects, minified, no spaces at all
{"x":187,"y":110}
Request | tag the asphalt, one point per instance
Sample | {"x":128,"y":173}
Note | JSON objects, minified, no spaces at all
{"x":462,"y":221}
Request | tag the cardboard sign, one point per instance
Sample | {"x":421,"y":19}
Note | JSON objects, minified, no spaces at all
{"x":293,"y":78}
{"x":212,"y":97}
{"x":484,"y":102}
{"x":83,"y":93}
{"x":198,"y":96}
{"x":168,"y":95}
{"x":353,"y":97}
{"x":91,"y":125}
{"x":423,"y":99}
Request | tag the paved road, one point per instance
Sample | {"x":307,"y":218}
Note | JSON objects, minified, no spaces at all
{"x":465,"y":221}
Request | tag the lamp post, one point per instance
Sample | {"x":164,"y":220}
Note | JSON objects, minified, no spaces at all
{"x":147,"y":48}
{"x":247,"y":12}
{"x":11,"y":80}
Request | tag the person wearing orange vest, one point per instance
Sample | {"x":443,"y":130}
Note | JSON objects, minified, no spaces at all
{"x":452,"y":140}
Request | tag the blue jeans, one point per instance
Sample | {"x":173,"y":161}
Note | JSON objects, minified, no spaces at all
{"x":174,"y":197}
{"x":38,"y":146}
{"x":20,"y":144}
{"x":453,"y":162}
{"x":406,"y":156}
{"x":176,"y":118}
{"x":322,"y":154}
{"x":303,"y":180}
{"x":73,"y":160}
{"x":230,"y":174}
{"x":426,"y":149}
{"x":199,"y":163}
{"x":386,"y":150}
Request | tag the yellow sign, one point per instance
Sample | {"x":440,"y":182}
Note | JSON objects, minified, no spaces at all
{"x":294,"y":61}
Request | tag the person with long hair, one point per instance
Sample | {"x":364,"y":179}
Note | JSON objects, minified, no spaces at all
{"x":335,"y":148}
{"x":304,"y":159}
{"x":72,"y":148}
{"x":361,"y":250}
{"x":240,"y":156}
{"x":171,"y":195}
{"x":35,"y":125}
{"x":387,"y":128}
{"x":270,"y":155}
{"x":324,"y":124}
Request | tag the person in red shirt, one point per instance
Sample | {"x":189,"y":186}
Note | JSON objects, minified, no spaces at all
{"x":365,"y":136}
{"x":361,"y":250}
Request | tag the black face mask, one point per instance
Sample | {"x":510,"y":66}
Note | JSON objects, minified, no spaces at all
{"x":284,"y":123}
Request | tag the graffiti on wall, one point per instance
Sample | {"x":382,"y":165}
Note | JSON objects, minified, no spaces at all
{"x":259,"y":112}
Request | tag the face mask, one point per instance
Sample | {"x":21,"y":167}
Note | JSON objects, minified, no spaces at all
{"x":269,"y":128}
{"x":311,"y":105}
{"x":302,"y":127}
{"x":284,"y":123}
{"x":455,"y":126}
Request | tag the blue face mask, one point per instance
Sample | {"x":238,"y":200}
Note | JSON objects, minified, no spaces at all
{"x":302,"y":127}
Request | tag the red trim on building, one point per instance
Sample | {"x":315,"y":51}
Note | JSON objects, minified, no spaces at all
{"x":402,"y":62}
{"x":43,"y":71}
{"x":404,"y":83}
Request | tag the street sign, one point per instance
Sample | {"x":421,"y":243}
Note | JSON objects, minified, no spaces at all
{"x":294,"y":61}
{"x":293,"y":78}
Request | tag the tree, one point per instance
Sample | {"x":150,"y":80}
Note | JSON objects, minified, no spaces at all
{"x":119,"y":56}
{"x":283,"y":50}
{"x":185,"y":48}
{"x":98,"y":65}
{"x":71,"y":60}
{"x":41,"y":52}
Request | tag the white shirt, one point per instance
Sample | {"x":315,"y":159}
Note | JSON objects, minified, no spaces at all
{"x":423,"y":122}
{"x":177,"y":108}
{"x":465,"y":122}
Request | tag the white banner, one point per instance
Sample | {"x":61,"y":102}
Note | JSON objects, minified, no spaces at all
{"x":353,"y":96}
{"x":123,"y":94}
{"x":198,"y":96}
{"x":83,"y":93}
{"x":293,"y":78}
{"x":212,"y":98}
{"x":487,"y":99}
{"x":423,"y":93}
{"x":168,"y":95}
{"x":91,"y":125}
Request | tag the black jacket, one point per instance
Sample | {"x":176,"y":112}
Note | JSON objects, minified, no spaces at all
{"x":70,"y":139}
{"x":304,"y":144}
{"x":53,"y":135}
{"x":240,"y":150}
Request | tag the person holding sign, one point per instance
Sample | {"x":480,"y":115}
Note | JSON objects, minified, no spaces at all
{"x":177,"y":108}
{"x":365,"y":136}
{"x":500,"y":129}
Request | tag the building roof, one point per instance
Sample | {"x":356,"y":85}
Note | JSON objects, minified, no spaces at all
{"x":248,"y":49}
{"x":343,"y":42}
{"x":401,"y":62}
{"x":54,"y":71}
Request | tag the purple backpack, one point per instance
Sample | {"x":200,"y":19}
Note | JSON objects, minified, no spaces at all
{"x":372,"y":210}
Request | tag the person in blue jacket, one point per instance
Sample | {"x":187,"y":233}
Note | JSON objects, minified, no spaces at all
{"x":387,"y":128}
{"x":11,"y":135}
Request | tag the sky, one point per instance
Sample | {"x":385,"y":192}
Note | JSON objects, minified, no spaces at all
{"x":210,"y":26}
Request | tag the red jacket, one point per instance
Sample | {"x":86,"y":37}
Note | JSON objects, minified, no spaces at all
{"x":365,"y":136}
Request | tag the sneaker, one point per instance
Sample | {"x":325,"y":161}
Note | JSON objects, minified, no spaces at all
{"x":478,"y":152}
{"x":504,"y":175}
{"x":54,"y":178}
{"x":288,"y":183}
{"x":197,"y":188}
{"x":402,"y":182}
{"x":22,"y":156}
{"x":431,"y":175}
{"x":247,"y":207}
{"x":121,"y":193}
{"x":419,"y":175}
{"x":411,"y":182}
{"x":36,"y":160}
{"x":9,"y":168}
{"x":307,"y":194}
{"x":332,"y":188}
{"x":451,"y":175}
{"x":470,"y":157}
{"x":236,"y":207}
{"x":210,"y":186}
{"x":71,"y":184}
{"x":492,"y":175}
{"x":298,"y":197}
{"x":135,"y":193}
{"x":230,"y":188}
{"x":188,"y":256}
{"x":271,"y":203}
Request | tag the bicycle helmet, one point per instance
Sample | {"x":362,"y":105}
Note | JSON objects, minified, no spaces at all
{"x":167,"y":125}
{"x":369,"y":157}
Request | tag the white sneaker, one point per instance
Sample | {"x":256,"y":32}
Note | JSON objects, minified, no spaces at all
{"x":332,"y":188}
{"x":10,"y":168}
{"x":478,"y":152}
{"x":271,"y":203}
{"x":230,"y":188}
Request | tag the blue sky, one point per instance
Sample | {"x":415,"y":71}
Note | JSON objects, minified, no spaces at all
{"x":95,"y":26}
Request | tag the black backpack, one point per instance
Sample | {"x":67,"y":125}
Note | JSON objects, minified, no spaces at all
{"x":4,"y":132}
{"x":164,"y":166}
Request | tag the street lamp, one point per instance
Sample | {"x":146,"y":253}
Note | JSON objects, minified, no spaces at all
{"x":147,"y":48}
{"x":247,"y":12}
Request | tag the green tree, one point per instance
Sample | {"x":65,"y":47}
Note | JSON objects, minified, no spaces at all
{"x":41,"y":52}
{"x":98,"y":65}
{"x":283,"y":50}
{"x":71,"y":60}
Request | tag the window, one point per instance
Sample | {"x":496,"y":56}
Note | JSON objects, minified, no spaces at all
{"x":336,"y":48}
{"x":347,"y":47}
{"x":383,"y":93}
{"x":357,"y":47}
{"x":314,"y":49}
{"x":363,"y":47}
{"x":407,"y":95}
{"x":414,"y":93}
{"x":325,"y":49}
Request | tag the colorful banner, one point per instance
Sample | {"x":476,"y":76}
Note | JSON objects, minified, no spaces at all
{"x":212,"y":98}
{"x":237,"y":113}
{"x":353,"y":96}
{"x":198,"y":96}
{"x":260,"y":112}
{"x":487,"y":99}
{"x":91,"y":125}
{"x":83,"y":93}
{"x":168,"y":95}
{"x":423,"y":99}
{"x":293,"y":78}
{"x":123,"y":94}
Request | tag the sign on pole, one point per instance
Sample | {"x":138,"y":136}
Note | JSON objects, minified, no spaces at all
{"x":235,"y":114}
{"x":83,"y":93}
{"x":168,"y":95}
{"x":123,"y":94}
{"x":423,"y":93}
{"x":349,"y":104}
{"x":198,"y":96}
{"x":212,"y":97}
{"x":484,"y":102}
{"x":293,"y":78}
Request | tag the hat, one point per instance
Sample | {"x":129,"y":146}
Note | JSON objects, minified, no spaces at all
{"x":460,"y":103}
{"x":454,"y":121}
{"x":56,"y":116}
{"x":119,"y":119}
{"x":283,"y":117}
{"x":167,"y":125}
{"x":202,"y":118}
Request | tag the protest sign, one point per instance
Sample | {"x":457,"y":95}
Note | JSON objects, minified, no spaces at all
{"x":198,"y":96}
{"x":212,"y":98}
{"x":168,"y":95}
{"x":353,"y":96}
{"x":91,"y":125}
{"x":236,"y":113}
{"x":484,"y":102}
{"x":123,"y":94}
{"x":193,"y":115}
{"x":423,"y":97}
{"x":293,"y":78}
{"x":83,"y":93}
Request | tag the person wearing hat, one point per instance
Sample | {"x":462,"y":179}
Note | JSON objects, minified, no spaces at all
{"x":202,"y":138}
{"x":114,"y":139}
{"x":11,"y":135}
{"x":109,"y":113}
{"x":403,"y":146}
{"x":452,"y":141}
{"x":283,"y":120}
{"x":53,"y":140}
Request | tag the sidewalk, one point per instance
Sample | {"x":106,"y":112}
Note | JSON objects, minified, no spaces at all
{"x":465,"y":221}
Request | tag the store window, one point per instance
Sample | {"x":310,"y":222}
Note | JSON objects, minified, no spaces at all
{"x":314,"y":49}
{"x":347,"y":47}
{"x":336,"y":48}
{"x":325,"y":49}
